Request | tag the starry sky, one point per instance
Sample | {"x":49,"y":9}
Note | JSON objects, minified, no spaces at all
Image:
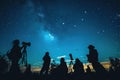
{"x":61,"y":27}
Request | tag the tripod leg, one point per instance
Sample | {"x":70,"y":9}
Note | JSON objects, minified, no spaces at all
{"x":26,"y":59}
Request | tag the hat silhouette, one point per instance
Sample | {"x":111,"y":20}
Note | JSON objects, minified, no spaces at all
{"x":91,"y":47}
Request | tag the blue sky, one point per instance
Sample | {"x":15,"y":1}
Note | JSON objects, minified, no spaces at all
{"x":61,"y":27}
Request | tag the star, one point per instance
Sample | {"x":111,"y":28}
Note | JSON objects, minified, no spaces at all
{"x":63,"y":23}
{"x":103,"y":31}
{"x":82,"y":19}
{"x":85,"y":12}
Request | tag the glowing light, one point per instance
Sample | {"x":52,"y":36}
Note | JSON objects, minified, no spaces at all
{"x":85,"y":12}
{"x":82,"y":19}
{"x":63,"y":23}
{"x":61,"y":56}
{"x":48,"y":36}
{"x":51,"y":36}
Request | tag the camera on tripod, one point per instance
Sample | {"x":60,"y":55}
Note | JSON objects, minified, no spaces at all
{"x":26,"y":43}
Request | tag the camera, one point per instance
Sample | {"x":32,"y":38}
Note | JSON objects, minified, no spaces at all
{"x":26,"y":43}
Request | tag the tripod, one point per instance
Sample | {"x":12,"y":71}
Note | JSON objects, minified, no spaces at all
{"x":71,"y":63}
{"x":24,"y":56}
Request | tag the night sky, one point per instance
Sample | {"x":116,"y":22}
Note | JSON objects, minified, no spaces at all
{"x":61,"y":27}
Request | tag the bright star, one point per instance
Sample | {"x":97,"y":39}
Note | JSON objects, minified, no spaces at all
{"x":63,"y":23}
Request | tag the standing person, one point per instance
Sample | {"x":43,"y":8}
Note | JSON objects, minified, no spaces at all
{"x":14,"y":55}
{"x":93,"y":58}
{"x":46,"y":63}
{"x":93,"y":54}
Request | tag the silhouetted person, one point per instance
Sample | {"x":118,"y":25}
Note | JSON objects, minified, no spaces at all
{"x":114,"y":69}
{"x":3,"y":65}
{"x":100,"y":71}
{"x":15,"y":55}
{"x":62,"y":70}
{"x":115,"y":64}
{"x":98,"y":67}
{"x":78,"y":67}
{"x":93,"y":54}
{"x":112,"y":65}
{"x":46,"y":63}
{"x":78,"y":70}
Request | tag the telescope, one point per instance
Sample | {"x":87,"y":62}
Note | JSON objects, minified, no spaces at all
{"x":71,"y":58}
{"x":24,"y":52}
{"x":26,"y":43}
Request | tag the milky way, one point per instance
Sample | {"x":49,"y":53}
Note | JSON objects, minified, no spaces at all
{"x":61,"y":27}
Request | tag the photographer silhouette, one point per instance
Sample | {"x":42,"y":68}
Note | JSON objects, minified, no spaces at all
{"x":17,"y":53}
{"x":14,"y":56}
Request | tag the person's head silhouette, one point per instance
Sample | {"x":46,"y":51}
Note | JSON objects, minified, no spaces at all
{"x":47,"y":53}
{"x":62,"y":60}
{"x":91,"y":47}
{"x":16,"y":42}
{"x":77,"y":60}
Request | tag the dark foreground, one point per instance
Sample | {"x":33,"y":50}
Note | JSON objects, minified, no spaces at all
{"x":70,"y":76}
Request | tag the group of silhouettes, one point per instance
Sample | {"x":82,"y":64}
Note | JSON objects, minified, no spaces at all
{"x":51,"y":71}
